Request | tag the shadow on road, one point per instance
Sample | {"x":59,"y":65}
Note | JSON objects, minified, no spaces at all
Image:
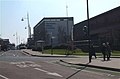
{"x":77,"y":71}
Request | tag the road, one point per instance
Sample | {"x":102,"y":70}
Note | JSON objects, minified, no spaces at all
{"x":15,"y":64}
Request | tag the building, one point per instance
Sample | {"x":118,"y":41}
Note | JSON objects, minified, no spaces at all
{"x":30,"y":43}
{"x":54,"y":30}
{"x":0,"y":43}
{"x":4,"y":44}
{"x":103,"y":28}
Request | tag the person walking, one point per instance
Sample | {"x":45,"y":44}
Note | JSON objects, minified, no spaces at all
{"x":92,"y":51}
{"x":108,"y":50}
{"x":103,"y":50}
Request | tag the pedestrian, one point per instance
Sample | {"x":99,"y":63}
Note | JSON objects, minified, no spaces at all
{"x":103,"y":50}
{"x":92,"y":51}
{"x":108,"y":50}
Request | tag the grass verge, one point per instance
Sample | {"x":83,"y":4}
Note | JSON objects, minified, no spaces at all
{"x":76,"y":52}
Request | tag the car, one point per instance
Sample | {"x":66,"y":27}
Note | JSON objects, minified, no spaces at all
{"x":22,"y":47}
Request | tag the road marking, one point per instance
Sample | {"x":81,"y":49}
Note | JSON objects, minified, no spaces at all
{"x":94,"y":72}
{"x":22,"y":62}
{"x":49,"y":73}
{"x":25,"y":64}
{"x":3,"y":53}
{"x":3,"y":77}
{"x":0,"y":54}
{"x":14,"y":55}
{"x":22,"y":66}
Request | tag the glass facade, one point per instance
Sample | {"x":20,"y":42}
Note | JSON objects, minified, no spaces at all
{"x":57,"y":29}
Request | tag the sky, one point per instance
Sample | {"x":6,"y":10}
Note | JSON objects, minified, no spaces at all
{"x":12,"y":11}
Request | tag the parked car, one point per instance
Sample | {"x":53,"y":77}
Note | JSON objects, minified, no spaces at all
{"x":22,"y":47}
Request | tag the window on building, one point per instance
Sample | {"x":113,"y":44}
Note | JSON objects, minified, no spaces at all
{"x":61,"y":19}
{"x":57,"y":19}
{"x":65,"y":19}
{"x":53,"y":19}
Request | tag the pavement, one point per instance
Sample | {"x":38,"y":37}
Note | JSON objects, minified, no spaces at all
{"x":40,"y":54}
{"x":113,"y":64}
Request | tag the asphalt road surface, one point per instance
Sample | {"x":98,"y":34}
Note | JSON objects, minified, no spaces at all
{"x":15,"y":64}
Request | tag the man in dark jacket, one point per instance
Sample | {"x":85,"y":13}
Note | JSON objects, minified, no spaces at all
{"x":103,"y":50}
{"x":92,"y":51}
{"x":108,"y":50}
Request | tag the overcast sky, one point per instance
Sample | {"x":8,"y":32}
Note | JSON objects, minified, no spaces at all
{"x":11,"y":12}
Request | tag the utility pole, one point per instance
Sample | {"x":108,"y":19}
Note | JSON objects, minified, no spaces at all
{"x":67,"y":10}
{"x":88,"y":25}
{"x":29,"y":28}
{"x":67,"y":31}
{"x":16,"y":39}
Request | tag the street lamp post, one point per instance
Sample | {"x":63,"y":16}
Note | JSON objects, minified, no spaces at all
{"x":16,"y":38}
{"x":29,"y":28}
{"x":51,"y":46}
{"x":88,"y":32}
{"x":52,"y":37}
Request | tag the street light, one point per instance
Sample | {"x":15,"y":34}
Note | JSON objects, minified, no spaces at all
{"x":52,"y":37}
{"x":29,"y":28}
{"x":88,"y":33}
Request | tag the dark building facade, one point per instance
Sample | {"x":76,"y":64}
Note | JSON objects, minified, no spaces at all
{"x":54,"y":30}
{"x":103,"y":28}
{"x":4,"y":44}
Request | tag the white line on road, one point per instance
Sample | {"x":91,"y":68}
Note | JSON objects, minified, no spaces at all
{"x":14,"y":55}
{"x":3,"y":53}
{"x":24,"y":64}
{"x":3,"y":77}
{"x":49,"y":73}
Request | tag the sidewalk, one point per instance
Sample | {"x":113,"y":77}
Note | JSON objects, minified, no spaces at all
{"x":113,"y":64}
{"x":39,"y":54}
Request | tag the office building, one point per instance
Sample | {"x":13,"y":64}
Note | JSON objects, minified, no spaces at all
{"x":55,"y":30}
{"x":103,"y":28}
